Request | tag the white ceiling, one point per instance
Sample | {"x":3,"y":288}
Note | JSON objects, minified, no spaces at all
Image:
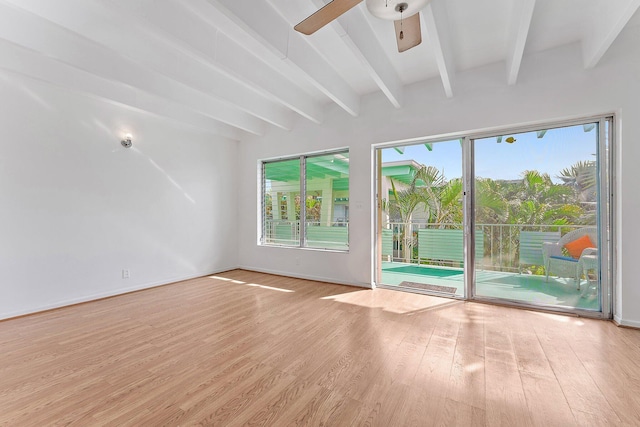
{"x":237,"y":66}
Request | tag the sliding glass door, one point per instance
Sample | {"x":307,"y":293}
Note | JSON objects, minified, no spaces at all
{"x":520,"y":217}
{"x":421,"y":213}
{"x":537,"y":207}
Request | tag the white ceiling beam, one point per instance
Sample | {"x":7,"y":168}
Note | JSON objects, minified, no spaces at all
{"x":237,"y":61}
{"x":354,"y":31}
{"x":28,"y":30}
{"x":609,"y":20}
{"x":517,"y":37}
{"x":265,"y":25}
{"x":362,"y":41}
{"x":206,"y":86}
{"x":439,"y":37}
{"x":229,"y":57}
{"x":26,"y":62}
{"x":292,"y":75}
{"x":154,"y":50}
{"x":205,"y":45}
{"x":323,"y":76}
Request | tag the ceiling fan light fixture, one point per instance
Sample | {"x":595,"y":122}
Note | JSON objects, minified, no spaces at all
{"x":405,"y":15}
{"x":390,"y":9}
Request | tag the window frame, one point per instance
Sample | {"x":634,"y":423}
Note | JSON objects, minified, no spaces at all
{"x":302,"y":226}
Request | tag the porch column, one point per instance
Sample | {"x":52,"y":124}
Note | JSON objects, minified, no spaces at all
{"x":291,"y":206}
{"x":275,"y":205}
{"x":326,"y":211}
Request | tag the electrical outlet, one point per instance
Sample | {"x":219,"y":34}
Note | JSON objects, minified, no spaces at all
{"x":125,"y":274}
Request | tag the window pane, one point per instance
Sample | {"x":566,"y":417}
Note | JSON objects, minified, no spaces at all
{"x":422,"y":217}
{"x":327,"y":201}
{"x":536,"y":200}
{"x":281,"y":205}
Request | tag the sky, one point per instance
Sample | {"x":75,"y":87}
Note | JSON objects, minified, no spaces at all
{"x":557,"y":149}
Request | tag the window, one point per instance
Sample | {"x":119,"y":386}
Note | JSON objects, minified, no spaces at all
{"x":313,"y":187}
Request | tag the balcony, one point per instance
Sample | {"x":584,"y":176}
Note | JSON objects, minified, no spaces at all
{"x":432,"y":261}
{"x":334,"y":236}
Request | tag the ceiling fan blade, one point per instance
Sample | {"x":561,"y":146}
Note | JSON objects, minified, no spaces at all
{"x":411,"y":35}
{"x":326,"y":14}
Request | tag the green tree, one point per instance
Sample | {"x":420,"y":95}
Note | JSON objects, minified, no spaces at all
{"x":422,"y":191}
{"x":313,"y":206}
{"x":582,"y":178}
{"x":539,"y":201}
{"x":448,"y":202}
{"x":491,"y":204}
{"x":531,"y":201}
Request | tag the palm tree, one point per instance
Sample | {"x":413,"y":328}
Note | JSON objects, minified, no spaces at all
{"x":539,"y":201}
{"x":449,"y":203}
{"x":422,"y":192}
{"x":532,"y":201}
{"x":491,"y":205}
{"x":582,"y":178}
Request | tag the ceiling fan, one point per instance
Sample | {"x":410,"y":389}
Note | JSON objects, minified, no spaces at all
{"x":404,"y":13}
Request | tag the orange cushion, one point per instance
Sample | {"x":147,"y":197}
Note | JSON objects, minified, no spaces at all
{"x":576,"y":247}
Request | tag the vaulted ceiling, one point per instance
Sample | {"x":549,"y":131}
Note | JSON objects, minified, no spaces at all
{"x":234,"y":67}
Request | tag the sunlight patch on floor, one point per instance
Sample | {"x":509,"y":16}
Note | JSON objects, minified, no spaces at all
{"x":271,"y":288}
{"x":226,"y":279}
{"x":255,"y":285}
{"x":473,"y":367}
{"x":556,"y":317}
{"x":390,"y":300}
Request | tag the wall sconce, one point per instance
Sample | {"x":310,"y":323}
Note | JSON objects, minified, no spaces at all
{"x":126,"y":142}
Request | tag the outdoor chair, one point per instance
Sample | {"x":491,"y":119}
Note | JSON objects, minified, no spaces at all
{"x":572,"y":265}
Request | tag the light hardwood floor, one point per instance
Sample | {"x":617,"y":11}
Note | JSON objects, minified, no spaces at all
{"x":244,"y":348}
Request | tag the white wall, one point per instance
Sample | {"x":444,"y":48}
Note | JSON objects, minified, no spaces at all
{"x":551,"y":86}
{"x":76,"y":208}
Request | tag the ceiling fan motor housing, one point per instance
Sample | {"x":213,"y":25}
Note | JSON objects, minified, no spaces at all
{"x":390,"y":9}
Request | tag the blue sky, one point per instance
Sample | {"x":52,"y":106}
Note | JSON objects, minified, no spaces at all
{"x":558,"y":149}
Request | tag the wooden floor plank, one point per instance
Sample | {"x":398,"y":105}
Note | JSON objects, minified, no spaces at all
{"x":506,"y":403}
{"x":546,"y":401}
{"x":467,"y":377}
{"x":246,"y":348}
{"x":580,"y":391}
{"x":325,"y":408}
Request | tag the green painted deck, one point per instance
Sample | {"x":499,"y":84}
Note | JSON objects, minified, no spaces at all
{"x":528,"y":288}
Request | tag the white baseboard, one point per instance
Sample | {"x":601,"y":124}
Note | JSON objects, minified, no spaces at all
{"x":628,"y":323}
{"x":306,"y":277}
{"x":102,"y":295}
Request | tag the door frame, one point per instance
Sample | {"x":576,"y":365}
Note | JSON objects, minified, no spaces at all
{"x":606,"y":225}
